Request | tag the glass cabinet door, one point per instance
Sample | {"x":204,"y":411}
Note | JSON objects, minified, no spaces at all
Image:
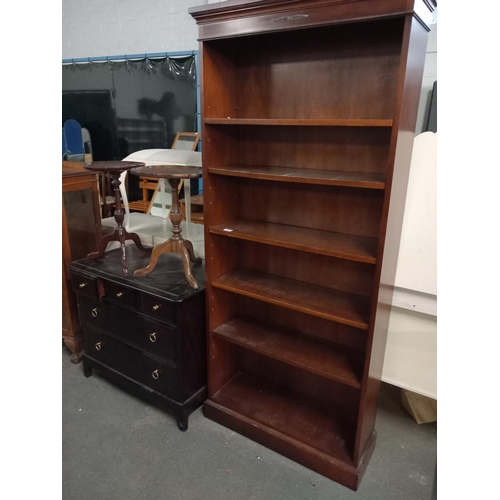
{"x":80,"y":222}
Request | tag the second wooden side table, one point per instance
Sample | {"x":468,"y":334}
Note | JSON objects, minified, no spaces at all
{"x":176,"y":243}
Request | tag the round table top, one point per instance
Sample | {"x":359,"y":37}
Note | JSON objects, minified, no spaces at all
{"x":169,"y":171}
{"x":112,"y":165}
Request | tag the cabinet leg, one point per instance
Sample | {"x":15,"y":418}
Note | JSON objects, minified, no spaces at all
{"x":87,"y":368}
{"x":182,"y":421}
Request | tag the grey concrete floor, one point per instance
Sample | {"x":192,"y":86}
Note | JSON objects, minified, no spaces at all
{"x":115,"y":446}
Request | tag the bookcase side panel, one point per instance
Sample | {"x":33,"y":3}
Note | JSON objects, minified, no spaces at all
{"x":413,"y":50}
{"x":220,"y":83}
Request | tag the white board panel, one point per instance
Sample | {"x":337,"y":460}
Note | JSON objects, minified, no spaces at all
{"x":411,"y":353}
{"x":417,"y":263}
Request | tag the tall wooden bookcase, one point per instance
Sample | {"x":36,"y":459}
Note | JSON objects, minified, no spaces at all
{"x":308,"y":117}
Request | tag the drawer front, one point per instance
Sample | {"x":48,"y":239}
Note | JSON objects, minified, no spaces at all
{"x":156,"y":338}
{"x":120,"y":294}
{"x":160,"y":309}
{"x":134,"y":363}
{"x":84,"y":284}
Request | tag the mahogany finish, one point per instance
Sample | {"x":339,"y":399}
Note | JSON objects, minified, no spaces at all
{"x":176,"y":243}
{"x":306,"y":154}
{"x":115,"y":169}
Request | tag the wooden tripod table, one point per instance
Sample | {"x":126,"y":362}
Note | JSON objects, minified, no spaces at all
{"x":176,"y":243}
{"x":115,"y":169}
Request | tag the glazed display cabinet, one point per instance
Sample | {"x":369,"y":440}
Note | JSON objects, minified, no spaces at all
{"x":81,"y":231}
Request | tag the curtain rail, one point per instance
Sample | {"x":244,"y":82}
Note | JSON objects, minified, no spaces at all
{"x":130,"y":56}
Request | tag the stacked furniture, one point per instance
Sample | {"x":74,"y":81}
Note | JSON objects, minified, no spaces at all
{"x":308,"y":116}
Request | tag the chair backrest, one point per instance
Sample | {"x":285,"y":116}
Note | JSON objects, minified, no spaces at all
{"x":123,"y":192}
{"x":64,"y":147}
{"x":87,"y":144}
{"x":161,"y":201}
{"x":186,"y":141}
{"x":74,"y":141}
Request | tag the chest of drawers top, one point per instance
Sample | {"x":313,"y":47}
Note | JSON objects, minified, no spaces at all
{"x":151,"y":294}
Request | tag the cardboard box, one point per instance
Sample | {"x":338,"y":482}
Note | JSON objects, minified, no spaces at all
{"x":421,"y":408}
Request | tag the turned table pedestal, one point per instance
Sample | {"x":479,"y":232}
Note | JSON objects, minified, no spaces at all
{"x":176,"y":243}
{"x":115,"y":169}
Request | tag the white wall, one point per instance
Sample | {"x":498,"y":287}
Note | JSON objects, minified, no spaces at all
{"x":94,"y":28}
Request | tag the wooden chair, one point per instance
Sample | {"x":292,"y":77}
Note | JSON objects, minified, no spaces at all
{"x":183,"y":141}
{"x":161,"y":200}
{"x":186,"y":141}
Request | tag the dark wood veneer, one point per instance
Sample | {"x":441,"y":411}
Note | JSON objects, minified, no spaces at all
{"x":349,"y":247}
{"x":346,"y":308}
{"x":304,"y":176}
{"x":300,"y":123}
{"x":146,"y":334}
{"x":277,"y":409}
{"x":306,"y":154}
{"x":290,"y":346}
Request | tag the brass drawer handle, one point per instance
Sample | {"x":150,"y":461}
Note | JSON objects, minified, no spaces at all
{"x":152,"y":337}
{"x":83,"y":285}
{"x":95,"y":312}
{"x":119,"y":294}
{"x":156,"y":374}
{"x":98,"y":346}
{"x":156,"y":307}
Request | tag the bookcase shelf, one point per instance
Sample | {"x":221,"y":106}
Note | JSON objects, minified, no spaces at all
{"x":299,"y":421}
{"x":357,"y":248}
{"x":290,"y":346}
{"x":306,"y":156}
{"x":335,"y":305}
{"x":290,"y":122}
{"x":304,"y":176}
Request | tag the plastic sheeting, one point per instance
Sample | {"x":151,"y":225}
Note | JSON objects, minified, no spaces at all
{"x":132,"y":104}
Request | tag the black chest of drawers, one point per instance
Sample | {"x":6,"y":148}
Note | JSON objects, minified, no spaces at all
{"x":145,"y":334}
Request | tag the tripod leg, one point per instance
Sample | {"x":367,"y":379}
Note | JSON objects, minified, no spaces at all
{"x":155,"y":254}
{"x":102,"y":247}
{"x":184,"y":253}
{"x":135,"y":238}
{"x":190,"y":249}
